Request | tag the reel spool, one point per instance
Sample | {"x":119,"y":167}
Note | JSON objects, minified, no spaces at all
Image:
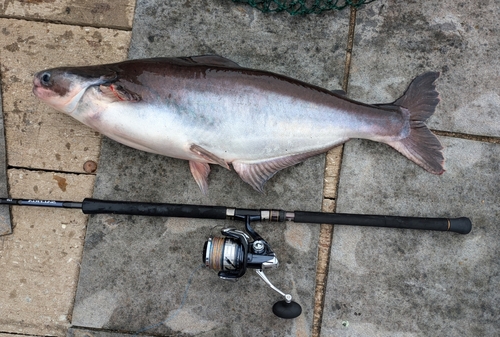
{"x":235,"y":252}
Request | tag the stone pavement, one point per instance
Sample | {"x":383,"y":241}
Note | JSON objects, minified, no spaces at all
{"x":134,"y":270}
{"x":403,"y":283}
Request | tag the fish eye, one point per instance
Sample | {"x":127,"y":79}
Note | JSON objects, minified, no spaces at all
{"x":45,"y":79}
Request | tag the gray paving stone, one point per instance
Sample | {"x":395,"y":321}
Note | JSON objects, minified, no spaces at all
{"x":396,"y":41}
{"x":388,"y":282}
{"x":135,"y":269}
{"x":309,"y":48}
{"x":77,"y":332}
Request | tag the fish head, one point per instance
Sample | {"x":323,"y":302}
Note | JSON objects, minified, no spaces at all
{"x":63,"y":88}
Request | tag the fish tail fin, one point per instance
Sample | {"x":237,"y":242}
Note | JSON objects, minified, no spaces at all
{"x":421,"y":145}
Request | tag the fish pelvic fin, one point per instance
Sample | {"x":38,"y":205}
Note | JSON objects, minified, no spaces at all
{"x":421,"y":145}
{"x":207,"y":155}
{"x":200,"y":173}
{"x":257,"y":174}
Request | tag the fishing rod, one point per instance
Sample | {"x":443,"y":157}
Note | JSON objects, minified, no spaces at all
{"x":95,"y":206}
{"x":236,"y":251}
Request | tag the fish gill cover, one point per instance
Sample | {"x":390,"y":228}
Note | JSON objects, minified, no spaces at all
{"x":302,"y":7}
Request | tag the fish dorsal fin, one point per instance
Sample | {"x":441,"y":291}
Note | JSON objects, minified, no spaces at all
{"x":257,"y":174}
{"x":339,"y":92}
{"x":118,"y":93}
{"x":212,"y":60}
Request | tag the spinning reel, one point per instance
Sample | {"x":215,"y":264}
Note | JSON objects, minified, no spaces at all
{"x":237,"y":251}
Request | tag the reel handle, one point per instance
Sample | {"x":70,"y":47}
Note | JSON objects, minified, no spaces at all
{"x":286,"y":308}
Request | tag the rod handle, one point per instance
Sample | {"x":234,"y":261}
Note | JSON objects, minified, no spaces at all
{"x":96,"y":206}
{"x":457,"y":225}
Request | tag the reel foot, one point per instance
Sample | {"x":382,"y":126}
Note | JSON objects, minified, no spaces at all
{"x":286,"y":310}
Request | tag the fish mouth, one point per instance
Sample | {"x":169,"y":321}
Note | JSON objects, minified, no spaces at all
{"x":39,"y":90}
{"x":36,"y":81}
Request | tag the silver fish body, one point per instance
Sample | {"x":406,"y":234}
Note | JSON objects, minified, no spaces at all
{"x":209,"y":110}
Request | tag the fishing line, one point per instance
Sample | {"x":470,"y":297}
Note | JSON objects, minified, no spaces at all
{"x":178,"y":310}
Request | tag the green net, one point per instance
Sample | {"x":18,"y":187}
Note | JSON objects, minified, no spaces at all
{"x":297,"y":7}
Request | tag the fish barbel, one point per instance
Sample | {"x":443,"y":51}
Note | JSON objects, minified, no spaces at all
{"x":209,"y":110}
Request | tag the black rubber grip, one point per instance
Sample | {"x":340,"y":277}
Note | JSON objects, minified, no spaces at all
{"x":95,"y":206}
{"x":459,"y":225}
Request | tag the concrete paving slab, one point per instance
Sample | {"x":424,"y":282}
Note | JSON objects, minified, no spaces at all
{"x":135,"y":270}
{"x":39,"y":262}
{"x":77,"y":332}
{"x":309,"y":48}
{"x":154,"y":258}
{"x":38,"y":136}
{"x":413,"y":283}
{"x":396,"y":41}
{"x":388,"y":282}
{"x":110,"y":14}
{"x":5,"y":223}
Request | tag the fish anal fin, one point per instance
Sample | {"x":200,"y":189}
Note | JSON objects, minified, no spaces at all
{"x":339,"y":92}
{"x":386,"y":106}
{"x":200,"y":173}
{"x":212,"y":60}
{"x":207,"y":155}
{"x":257,"y":174}
{"x":116,"y":92}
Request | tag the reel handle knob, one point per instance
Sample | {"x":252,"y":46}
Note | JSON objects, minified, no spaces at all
{"x":287,"y":310}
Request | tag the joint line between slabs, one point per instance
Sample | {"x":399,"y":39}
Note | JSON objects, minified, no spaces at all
{"x":57,"y":22}
{"x":24,"y":334}
{"x":9,"y":167}
{"x":484,"y":139}
{"x":326,"y":231}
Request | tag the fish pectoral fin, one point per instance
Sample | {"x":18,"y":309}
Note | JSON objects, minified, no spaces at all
{"x":209,"y":156}
{"x":117,"y":93}
{"x":257,"y":174}
{"x":212,"y":60}
{"x":200,"y":173}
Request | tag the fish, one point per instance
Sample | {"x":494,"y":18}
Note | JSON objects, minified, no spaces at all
{"x":208,"y":110}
